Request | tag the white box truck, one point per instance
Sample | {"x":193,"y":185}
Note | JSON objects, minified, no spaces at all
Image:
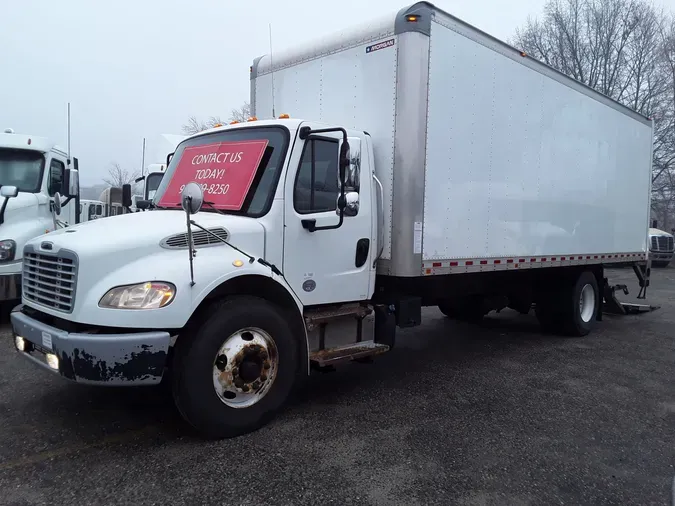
{"x":34,"y":176}
{"x":434,"y":166}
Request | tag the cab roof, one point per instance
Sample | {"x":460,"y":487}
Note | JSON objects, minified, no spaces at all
{"x":29,"y":142}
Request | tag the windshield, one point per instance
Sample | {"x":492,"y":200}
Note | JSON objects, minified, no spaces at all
{"x":21,"y":168}
{"x":237,"y":169}
{"x":152,"y":181}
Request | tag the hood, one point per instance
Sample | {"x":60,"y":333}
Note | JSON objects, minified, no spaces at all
{"x":22,"y":200}
{"x":656,"y":231}
{"x":146,"y":230}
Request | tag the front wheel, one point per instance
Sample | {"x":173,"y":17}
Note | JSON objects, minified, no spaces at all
{"x":236,"y":371}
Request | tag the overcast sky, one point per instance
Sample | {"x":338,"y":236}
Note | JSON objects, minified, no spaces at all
{"x":134,"y":69}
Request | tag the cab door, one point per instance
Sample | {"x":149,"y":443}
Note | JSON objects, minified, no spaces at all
{"x":332,"y":265}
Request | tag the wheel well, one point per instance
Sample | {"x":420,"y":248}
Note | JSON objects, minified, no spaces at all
{"x":265,"y":288}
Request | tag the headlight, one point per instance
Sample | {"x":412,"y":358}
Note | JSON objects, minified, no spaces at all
{"x":149,"y":295}
{"x":7,"y":250}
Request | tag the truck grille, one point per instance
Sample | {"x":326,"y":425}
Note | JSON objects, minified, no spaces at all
{"x":199,"y":238}
{"x":662,"y":243}
{"x":49,"y":279}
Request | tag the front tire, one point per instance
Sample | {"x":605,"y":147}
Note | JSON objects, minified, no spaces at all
{"x":235,"y":372}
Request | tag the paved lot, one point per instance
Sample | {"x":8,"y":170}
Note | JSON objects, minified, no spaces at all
{"x":457,"y":414}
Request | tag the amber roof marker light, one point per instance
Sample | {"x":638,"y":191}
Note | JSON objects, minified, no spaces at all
{"x":412,"y":18}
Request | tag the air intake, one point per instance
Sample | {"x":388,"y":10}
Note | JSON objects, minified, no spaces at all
{"x":200,"y":239}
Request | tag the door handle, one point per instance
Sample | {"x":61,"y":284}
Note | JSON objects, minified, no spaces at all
{"x":362,"y":248}
{"x":309,"y":224}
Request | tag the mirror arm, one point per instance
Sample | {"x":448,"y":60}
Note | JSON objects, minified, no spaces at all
{"x":2,"y":210}
{"x":305,"y":132}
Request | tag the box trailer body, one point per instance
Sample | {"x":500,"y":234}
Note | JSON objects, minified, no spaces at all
{"x":489,"y":159}
{"x":424,"y":164}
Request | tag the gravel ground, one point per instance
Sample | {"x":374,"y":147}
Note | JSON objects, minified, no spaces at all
{"x":457,"y":414}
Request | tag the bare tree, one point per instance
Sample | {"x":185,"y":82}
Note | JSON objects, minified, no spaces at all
{"x":117,"y":176}
{"x":241,"y":114}
{"x":624,"y":49}
{"x":195,"y":125}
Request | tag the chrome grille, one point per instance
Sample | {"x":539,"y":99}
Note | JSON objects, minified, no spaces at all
{"x":662,"y":243}
{"x":49,"y":279}
{"x":199,"y":238}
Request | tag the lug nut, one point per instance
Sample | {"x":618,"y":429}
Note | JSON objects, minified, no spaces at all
{"x":244,"y":388}
{"x":267,"y":365}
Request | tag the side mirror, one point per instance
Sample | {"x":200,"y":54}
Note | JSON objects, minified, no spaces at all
{"x":343,"y":162}
{"x":349,"y":205}
{"x":70,"y":186}
{"x":353,"y":177}
{"x":9,"y":191}
{"x":126,"y":195}
{"x":192,"y":198}
{"x":143,"y":204}
{"x":57,"y":203}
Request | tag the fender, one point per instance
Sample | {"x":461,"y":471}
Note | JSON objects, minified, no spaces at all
{"x":256,"y":279}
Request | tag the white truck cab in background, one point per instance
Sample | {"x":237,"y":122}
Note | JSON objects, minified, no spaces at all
{"x":33,"y":173}
{"x":661,"y":247}
{"x":91,"y":210}
{"x":408,"y":183}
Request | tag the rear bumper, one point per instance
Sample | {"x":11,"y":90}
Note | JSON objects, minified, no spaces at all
{"x":10,"y":287}
{"x":101,"y":359}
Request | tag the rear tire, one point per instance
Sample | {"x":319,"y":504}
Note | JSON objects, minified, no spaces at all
{"x":580,"y":309}
{"x":573,"y":309}
{"x":265,"y":349}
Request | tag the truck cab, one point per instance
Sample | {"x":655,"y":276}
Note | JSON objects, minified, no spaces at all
{"x":661,"y":247}
{"x":91,"y":210}
{"x":33,"y":173}
{"x":300,"y":198}
{"x":153,"y":179}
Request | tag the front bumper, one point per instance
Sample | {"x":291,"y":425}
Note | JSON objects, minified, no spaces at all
{"x":661,"y":256}
{"x":101,"y":359}
{"x":10,"y":287}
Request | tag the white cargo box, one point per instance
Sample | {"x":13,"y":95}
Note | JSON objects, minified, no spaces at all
{"x":489,"y":159}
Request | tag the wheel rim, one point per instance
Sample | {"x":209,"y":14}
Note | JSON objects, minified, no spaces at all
{"x":245,"y":367}
{"x":587,"y":303}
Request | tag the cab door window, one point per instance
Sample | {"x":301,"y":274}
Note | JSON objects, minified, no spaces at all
{"x":57,"y":172}
{"x":316,"y":185}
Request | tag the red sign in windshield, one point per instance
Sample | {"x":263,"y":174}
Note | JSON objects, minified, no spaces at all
{"x":225,"y":171}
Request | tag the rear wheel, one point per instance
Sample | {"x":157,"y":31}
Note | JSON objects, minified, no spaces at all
{"x":572,"y":310}
{"x":581,"y":308}
{"x":237,"y":370}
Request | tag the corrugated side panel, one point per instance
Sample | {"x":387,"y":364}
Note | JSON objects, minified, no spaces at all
{"x":351,"y":87}
{"x":519,"y":164}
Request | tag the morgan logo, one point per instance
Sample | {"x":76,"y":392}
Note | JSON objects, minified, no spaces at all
{"x":380,"y":45}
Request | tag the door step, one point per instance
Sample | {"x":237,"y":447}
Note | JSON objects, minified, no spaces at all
{"x":319,"y":316}
{"x":355,"y":351}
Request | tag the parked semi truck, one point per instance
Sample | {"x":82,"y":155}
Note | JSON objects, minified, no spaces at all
{"x":434,"y":166}
{"x":661,"y":247}
{"x":33,"y":172}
